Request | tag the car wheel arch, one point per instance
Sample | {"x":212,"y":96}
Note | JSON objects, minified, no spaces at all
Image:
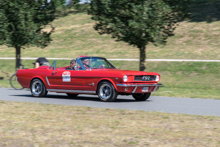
{"x":106,"y":91}
{"x":38,"y":88}
{"x":39,"y":79}
{"x":107,"y":80}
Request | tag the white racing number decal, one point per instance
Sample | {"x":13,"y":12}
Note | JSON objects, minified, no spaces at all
{"x":66,"y":75}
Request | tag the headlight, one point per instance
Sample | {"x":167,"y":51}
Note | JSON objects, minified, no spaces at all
{"x":125,"y":78}
{"x":157,"y":78}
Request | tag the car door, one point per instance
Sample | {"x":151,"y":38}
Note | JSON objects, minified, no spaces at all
{"x":59,"y":78}
{"x":62,"y":79}
{"x":66,"y":79}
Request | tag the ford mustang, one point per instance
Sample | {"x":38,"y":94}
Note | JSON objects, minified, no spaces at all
{"x":99,"y":77}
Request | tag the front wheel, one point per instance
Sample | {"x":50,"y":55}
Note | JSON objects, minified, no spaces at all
{"x":14,"y":82}
{"x":141,"y":96}
{"x":107,"y":92}
{"x":38,"y":88}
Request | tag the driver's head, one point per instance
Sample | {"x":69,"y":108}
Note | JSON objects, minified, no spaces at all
{"x":86,"y":62}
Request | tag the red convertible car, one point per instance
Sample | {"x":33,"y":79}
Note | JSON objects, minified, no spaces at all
{"x":99,"y":78}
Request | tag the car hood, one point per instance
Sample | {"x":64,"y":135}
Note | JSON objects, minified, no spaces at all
{"x":126,"y":72}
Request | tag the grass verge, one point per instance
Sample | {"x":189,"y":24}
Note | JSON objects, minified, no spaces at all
{"x":32,"y":124}
{"x":179,"y":79}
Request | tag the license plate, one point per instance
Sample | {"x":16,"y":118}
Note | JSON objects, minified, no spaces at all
{"x":145,"y":89}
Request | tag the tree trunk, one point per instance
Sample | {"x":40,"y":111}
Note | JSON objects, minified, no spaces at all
{"x":17,"y":58}
{"x":142,"y":58}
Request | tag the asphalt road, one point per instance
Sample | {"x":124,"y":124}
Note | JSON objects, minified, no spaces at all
{"x":191,"y":106}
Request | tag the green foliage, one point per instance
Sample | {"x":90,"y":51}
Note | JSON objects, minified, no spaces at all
{"x":22,"y":22}
{"x":138,"y":22}
{"x":82,"y":7}
{"x":59,"y":3}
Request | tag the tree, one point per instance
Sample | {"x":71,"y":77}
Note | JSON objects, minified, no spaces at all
{"x":22,"y":24}
{"x":138,"y":22}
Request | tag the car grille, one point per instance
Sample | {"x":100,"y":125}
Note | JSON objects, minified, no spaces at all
{"x":144,"y":78}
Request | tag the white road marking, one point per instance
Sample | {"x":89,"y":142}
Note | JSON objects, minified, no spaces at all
{"x":154,"y":60}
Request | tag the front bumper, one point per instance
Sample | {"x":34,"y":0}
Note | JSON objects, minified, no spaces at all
{"x":137,"y":88}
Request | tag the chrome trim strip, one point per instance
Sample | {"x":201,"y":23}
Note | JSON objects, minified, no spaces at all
{"x":71,"y":91}
{"x":134,"y":89}
{"x":47,"y":81}
{"x":138,"y":85}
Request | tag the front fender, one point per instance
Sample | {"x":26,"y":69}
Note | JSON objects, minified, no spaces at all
{"x":107,"y":79}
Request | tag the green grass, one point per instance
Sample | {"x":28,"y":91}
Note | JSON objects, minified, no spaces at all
{"x":184,"y":79}
{"x":179,"y":79}
{"x":34,"y":124}
{"x":83,"y":40}
{"x":195,"y":38}
{"x":188,"y":92}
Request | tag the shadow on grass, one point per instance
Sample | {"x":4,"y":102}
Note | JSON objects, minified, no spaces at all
{"x":205,"y":10}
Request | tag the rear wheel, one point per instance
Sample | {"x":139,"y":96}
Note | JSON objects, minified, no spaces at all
{"x":72,"y":95}
{"x":141,"y":96}
{"x":107,"y":92}
{"x":38,"y":88}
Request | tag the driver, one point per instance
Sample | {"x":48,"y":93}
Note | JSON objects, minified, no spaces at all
{"x":85,"y":63}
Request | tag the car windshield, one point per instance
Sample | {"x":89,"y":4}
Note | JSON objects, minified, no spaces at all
{"x":94,"y":63}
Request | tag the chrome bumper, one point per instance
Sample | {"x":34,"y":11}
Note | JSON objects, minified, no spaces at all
{"x":134,"y":85}
{"x":140,"y":85}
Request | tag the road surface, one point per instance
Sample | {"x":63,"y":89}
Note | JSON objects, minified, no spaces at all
{"x":193,"y":106}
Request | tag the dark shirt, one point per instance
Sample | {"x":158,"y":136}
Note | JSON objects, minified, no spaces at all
{"x":69,"y":68}
{"x":42,"y":60}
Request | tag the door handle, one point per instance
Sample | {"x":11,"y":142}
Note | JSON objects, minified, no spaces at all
{"x":54,"y":72}
{"x":92,"y":84}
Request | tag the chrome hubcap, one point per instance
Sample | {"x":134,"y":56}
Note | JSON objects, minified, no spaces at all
{"x":105,"y":91}
{"x":36,"y":87}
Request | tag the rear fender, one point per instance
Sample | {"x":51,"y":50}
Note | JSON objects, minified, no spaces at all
{"x":37,"y":77}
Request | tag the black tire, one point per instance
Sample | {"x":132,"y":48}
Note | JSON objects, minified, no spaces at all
{"x":141,"y":96}
{"x":72,"y":95}
{"x":38,"y":88}
{"x":14,"y":83}
{"x":106,"y":92}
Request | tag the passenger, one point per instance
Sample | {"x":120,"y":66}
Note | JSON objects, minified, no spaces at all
{"x":86,"y":63}
{"x":41,"y":61}
{"x":72,"y":65}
